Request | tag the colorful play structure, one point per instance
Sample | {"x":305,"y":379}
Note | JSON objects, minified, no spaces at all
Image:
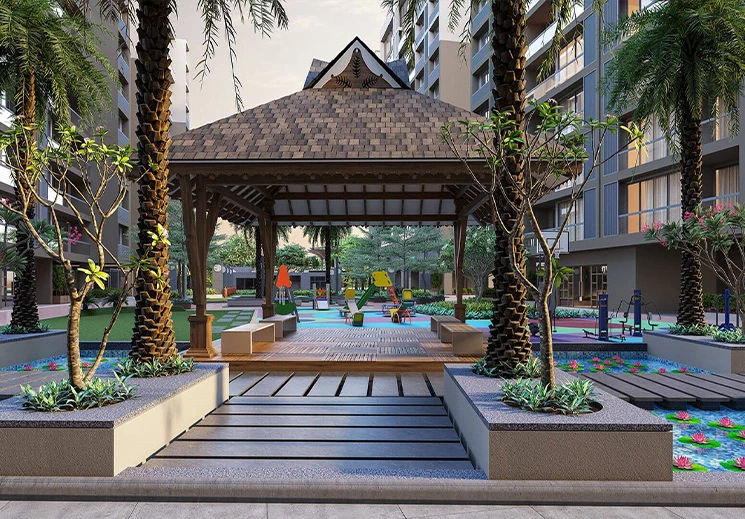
{"x":285,"y":298}
{"x":321,"y":297}
{"x":399,"y":311}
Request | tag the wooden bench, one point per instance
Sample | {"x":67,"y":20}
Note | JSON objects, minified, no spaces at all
{"x":435,"y":320}
{"x":283,"y":324}
{"x":467,"y":340}
{"x":239,"y":340}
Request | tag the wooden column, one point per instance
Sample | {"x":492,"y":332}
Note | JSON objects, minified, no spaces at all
{"x":269,"y":243}
{"x":199,"y":227}
{"x":459,"y":240}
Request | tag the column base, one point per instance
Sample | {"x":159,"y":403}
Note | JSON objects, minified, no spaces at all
{"x":200,"y":336}
{"x":460,"y":311}
{"x":267,"y":310}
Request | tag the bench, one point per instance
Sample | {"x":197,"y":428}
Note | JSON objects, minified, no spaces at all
{"x":239,"y":340}
{"x":435,"y":320}
{"x":283,"y":324}
{"x":467,"y":341}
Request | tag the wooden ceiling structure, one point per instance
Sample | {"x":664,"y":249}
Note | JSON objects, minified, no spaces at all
{"x":356,"y":146}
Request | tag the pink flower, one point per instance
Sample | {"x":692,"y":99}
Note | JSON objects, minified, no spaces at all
{"x":573,"y":364}
{"x":617,"y":358}
{"x":741,"y":434}
{"x":663,"y":243}
{"x":682,"y":415}
{"x":726,"y":422}
{"x":657,"y":226}
{"x":608,"y":362}
{"x":740,"y":463}
{"x":661,"y":371}
{"x":556,"y":363}
{"x":700,"y":438}
{"x":683,"y":463}
{"x":634,"y":370}
{"x":599,"y":367}
{"x":596,"y":359}
{"x":687,"y":215}
{"x":638,"y":364}
{"x":645,"y":228}
{"x":86,"y":364}
{"x":683,"y":369}
{"x":53,"y":366}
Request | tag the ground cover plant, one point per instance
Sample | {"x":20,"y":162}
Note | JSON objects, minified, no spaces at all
{"x":575,"y":397}
{"x":696,"y":329}
{"x":531,"y":368}
{"x":64,"y":396}
{"x":475,"y":309}
{"x":155,"y":367}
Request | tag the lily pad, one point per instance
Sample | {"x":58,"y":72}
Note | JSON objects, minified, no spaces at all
{"x":711,"y":445}
{"x":716,"y":425}
{"x":565,"y":366}
{"x":672,"y":418}
{"x":730,"y":465}
{"x":687,"y":372}
{"x":695,"y":467}
{"x":734,"y":436}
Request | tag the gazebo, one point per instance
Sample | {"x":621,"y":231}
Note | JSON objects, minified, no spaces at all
{"x":355,"y":146}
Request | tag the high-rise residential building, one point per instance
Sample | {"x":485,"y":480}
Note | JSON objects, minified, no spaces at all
{"x":117,"y":121}
{"x":440,"y":67}
{"x":180,"y":88}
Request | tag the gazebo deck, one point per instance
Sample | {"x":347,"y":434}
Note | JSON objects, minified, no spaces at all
{"x":348,"y":349}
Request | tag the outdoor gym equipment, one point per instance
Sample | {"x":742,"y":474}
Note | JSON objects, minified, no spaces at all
{"x":285,"y":298}
{"x":727,"y":325}
{"x":601,"y":331}
{"x":640,"y":306}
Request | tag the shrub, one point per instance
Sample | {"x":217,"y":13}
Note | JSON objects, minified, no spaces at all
{"x":573,"y":397}
{"x":211,"y":291}
{"x":566,"y":313}
{"x":248,"y":292}
{"x":154,"y":368}
{"x":113,"y":295}
{"x":531,"y":368}
{"x":22,"y":330}
{"x":62,"y":396}
{"x":475,"y":309}
{"x":705,"y":330}
{"x":730,"y":336}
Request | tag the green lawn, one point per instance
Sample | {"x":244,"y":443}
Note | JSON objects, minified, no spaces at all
{"x":93,"y":322}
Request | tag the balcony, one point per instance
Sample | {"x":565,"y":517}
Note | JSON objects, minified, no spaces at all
{"x":572,"y":232}
{"x":434,"y":75}
{"x":563,"y":75}
{"x":434,"y":14}
{"x":547,"y":35}
{"x":630,"y":223}
{"x":79,"y":247}
{"x":123,"y":28}
{"x":123,"y":252}
{"x":123,"y":104}
{"x":481,"y":95}
{"x":434,"y":44}
{"x":122,"y":139}
{"x":422,"y":88}
{"x":122,"y":216}
{"x":420,"y":33}
{"x":123,"y":66}
{"x":481,"y":18}
{"x":715,"y":128}
{"x":5,"y":176}
{"x":6,"y":114}
{"x":652,"y":150}
{"x":387,"y":25}
{"x":481,"y":56}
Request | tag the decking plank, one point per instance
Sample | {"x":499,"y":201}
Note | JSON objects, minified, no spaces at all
{"x":705,"y":399}
{"x":709,"y":391}
{"x":611,"y":391}
{"x":337,"y":400}
{"x":298,"y":384}
{"x":638,"y":396}
{"x":248,"y":420}
{"x":672,"y":398}
{"x":321,"y":449}
{"x":326,"y":385}
{"x":409,"y":410}
{"x":385,"y":384}
{"x":239,"y":385}
{"x":722,"y":379}
{"x":268,"y":385}
{"x":437,"y":381}
{"x":413,"y":384}
{"x":348,"y":434}
{"x":355,"y":384}
{"x":289,"y":466}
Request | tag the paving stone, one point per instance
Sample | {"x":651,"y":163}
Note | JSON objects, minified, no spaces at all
{"x":199,"y":510}
{"x":417,"y":511}
{"x":606,"y":512}
{"x":333,"y":511}
{"x":707,"y":513}
{"x":66,"y":509}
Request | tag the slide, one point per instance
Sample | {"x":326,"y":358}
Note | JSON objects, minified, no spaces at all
{"x":366,"y":296}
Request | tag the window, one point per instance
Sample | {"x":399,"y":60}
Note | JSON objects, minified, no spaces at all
{"x":654,"y":148}
{"x":648,"y":201}
{"x":628,"y":7}
{"x":726,"y":185}
{"x":575,"y":103}
{"x":123,"y":235}
{"x":482,"y":40}
{"x":575,"y":225}
{"x":482,"y":78}
{"x":5,"y":175}
{"x":569,"y":59}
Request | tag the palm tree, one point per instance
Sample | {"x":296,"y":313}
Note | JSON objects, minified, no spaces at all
{"x":682,"y":60}
{"x":509,"y":338}
{"x":49,"y":61}
{"x":330,"y":236}
{"x":153,"y":335}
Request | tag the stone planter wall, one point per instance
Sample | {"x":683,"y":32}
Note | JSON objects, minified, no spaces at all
{"x":105,"y":441}
{"x":24,"y":348}
{"x":700,"y":352}
{"x":620,"y":442}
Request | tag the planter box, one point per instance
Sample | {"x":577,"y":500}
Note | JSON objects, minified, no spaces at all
{"x":701,"y":352}
{"x":619,"y":442}
{"x":60,"y":299}
{"x":106,"y":440}
{"x":28,"y":347}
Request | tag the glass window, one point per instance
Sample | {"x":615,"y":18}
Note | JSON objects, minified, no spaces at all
{"x":649,"y":201}
{"x":727,"y":185}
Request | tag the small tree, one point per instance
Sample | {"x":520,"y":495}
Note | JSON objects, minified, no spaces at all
{"x":555,"y":151}
{"x":97,"y":195}
{"x":478,"y":257}
{"x":293,"y":256}
{"x":716,"y":238}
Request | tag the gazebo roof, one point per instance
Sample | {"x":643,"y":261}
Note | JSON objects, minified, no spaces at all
{"x":355,"y":146}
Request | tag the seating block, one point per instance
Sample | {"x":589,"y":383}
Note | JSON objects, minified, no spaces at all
{"x":435,"y":320}
{"x":239,"y":340}
{"x":467,"y":341}
{"x":283,"y":324}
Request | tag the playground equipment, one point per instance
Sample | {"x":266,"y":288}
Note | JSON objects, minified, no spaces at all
{"x":352,"y":314}
{"x":601,"y":331}
{"x":285,"y":298}
{"x":321,"y":297}
{"x":381,"y":279}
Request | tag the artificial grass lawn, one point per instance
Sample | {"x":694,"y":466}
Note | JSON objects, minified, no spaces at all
{"x":93,"y":322}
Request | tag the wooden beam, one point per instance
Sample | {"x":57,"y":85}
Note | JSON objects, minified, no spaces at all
{"x":406,"y":195}
{"x":233,"y":198}
{"x":473,"y":205}
{"x":414,"y":218}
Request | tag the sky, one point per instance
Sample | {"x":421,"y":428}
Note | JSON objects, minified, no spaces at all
{"x":270,"y":68}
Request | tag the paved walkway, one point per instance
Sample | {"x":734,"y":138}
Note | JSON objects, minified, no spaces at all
{"x":84,"y":510}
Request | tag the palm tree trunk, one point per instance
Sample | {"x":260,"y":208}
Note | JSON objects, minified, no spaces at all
{"x":327,"y":252}
{"x":153,"y":335}
{"x":691,"y":309}
{"x":25,"y":314}
{"x":509,"y":338}
{"x":259,"y":266}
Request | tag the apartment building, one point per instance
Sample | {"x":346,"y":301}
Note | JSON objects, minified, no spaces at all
{"x":117,"y":121}
{"x":440,"y":68}
{"x":180,"y":88}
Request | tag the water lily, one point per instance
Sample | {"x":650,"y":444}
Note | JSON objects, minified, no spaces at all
{"x":638,"y":364}
{"x":86,"y":364}
{"x":683,"y":463}
{"x":599,"y":367}
{"x":596,"y":359}
{"x":741,"y":434}
{"x":608,"y":362}
{"x":683,"y":369}
{"x":726,"y":422}
{"x":28,"y":367}
{"x":556,"y":363}
{"x":683,"y":416}
{"x":740,"y":463}
{"x":573,"y":364}
{"x":633,"y":370}
{"x":53,"y":366}
{"x":699,"y":438}
{"x":661,"y":371}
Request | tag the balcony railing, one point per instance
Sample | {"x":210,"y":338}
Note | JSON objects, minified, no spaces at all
{"x":547,"y":35}
{"x":79,"y":247}
{"x":123,"y":104}
{"x":123,"y":252}
{"x":629,"y":223}
{"x":481,"y":17}
{"x":123,"y":66}
{"x":434,"y":43}
{"x":715,"y":128}
{"x":122,"y":216}
{"x":434,"y":12}
{"x":480,"y":56}
{"x":122,"y":138}
{"x":481,"y":95}
{"x":562,"y":75}
{"x":5,"y":175}
{"x":572,"y":232}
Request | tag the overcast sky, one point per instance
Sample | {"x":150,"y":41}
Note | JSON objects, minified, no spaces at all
{"x":275,"y":67}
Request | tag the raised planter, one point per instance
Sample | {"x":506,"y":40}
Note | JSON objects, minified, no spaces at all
{"x":619,"y":442}
{"x":60,"y":299}
{"x":701,"y":352}
{"x":106,"y":440}
{"x":28,"y":347}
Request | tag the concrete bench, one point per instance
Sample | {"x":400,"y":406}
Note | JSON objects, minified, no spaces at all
{"x":467,"y":340}
{"x":436,"y":320}
{"x":283,"y":324}
{"x":239,"y":340}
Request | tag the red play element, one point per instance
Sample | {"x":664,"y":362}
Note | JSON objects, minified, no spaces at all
{"x":392,"y":293}
{"x":283,"y":277}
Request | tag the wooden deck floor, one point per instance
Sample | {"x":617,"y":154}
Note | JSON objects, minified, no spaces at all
{"x":348,"y":349}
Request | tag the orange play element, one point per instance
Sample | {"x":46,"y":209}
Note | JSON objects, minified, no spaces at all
{"x":283,"y":277}
{"x":392,"y":293}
